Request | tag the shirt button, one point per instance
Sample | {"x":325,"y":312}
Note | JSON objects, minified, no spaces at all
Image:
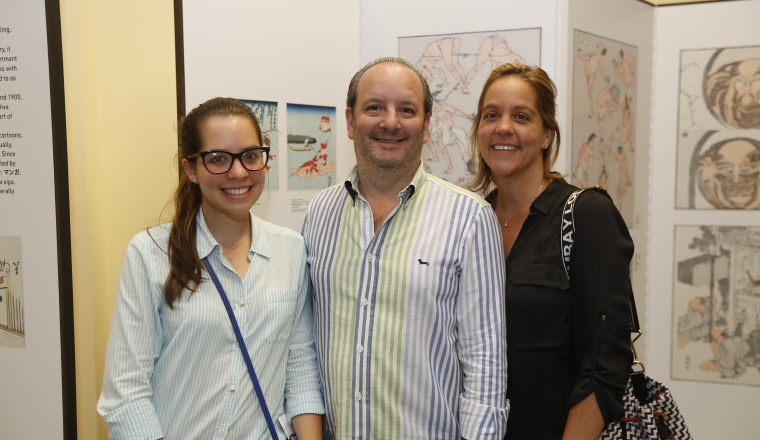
{"x":241,"y":303}
{"x":358,"y":396}
{"x":220,"y":432}
{"x":360,"y":349}
{"x":365,"y":301}
{"x":370,"y":257}
{"x":232,"y":389}
{"x":366,"y":214}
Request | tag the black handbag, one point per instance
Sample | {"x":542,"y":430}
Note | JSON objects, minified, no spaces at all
{"x":651,"y":412}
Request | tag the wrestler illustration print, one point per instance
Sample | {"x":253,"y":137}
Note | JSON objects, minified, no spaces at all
{"x":456,"y":67}
{"x":604,"y":118}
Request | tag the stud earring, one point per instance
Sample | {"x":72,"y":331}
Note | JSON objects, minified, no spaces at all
{"x":194,"y":180}
{"x":546,"y":147}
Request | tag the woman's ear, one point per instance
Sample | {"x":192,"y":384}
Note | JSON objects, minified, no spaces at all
{"x":548,"y":138}
{"x":189,"y":170}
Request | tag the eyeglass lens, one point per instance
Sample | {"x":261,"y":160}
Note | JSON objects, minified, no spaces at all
{"x":218,"y":162}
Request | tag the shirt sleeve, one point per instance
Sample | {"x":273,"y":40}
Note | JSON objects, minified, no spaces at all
{"x":133,"y":347}
{"x":481,"y":343}
{"x":600,"y":280}
{"x":303,"y":388}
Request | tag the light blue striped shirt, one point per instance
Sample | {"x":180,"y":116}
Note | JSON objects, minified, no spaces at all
{"x":179,"y":374}
{"x":409,"y":319}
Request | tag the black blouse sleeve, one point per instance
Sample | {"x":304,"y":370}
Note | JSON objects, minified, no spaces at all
{"x":601,"y":289}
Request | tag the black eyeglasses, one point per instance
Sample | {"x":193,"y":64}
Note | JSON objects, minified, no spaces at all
{"x":220,"y":161}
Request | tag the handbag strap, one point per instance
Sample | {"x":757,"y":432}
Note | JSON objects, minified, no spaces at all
{"x":243,"y":348}
{"x":567,"y":233}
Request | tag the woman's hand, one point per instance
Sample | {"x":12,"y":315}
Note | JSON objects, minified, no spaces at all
{"x":584,"y":422}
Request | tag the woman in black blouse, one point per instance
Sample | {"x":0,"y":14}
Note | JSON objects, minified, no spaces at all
{"x":568,"y":349}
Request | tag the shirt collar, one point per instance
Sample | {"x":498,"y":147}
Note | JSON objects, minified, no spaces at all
{"x":545,"y":200}
{"x":206,"y":243}
{"x":419,"y":179}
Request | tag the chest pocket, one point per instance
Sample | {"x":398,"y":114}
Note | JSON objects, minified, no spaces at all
{"x":281,"y":311}
{"x":538,"y":308}
{"x":539,"y":275}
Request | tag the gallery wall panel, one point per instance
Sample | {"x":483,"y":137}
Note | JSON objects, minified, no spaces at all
{"x":36,"y":317}
{"x":700,"y":255}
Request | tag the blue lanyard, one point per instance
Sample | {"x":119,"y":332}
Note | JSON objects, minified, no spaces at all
{"x":243,"y":348}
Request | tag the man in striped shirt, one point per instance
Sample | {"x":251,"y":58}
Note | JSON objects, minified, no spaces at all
{"x":407,"y":281}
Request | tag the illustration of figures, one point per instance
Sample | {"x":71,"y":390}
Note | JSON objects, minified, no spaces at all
{"x":455,"y":65}
{"x":325,"y":124}
{"x":443,"y":133}
{"x":439,"y":139}
{"x":733,"y":94}
{"x":446,"y":49}
{"x":603,"y":176}
{"x":581,"y":170}
{"x":752,"y":284}
{"x":695,"y":324}
{"x":607,"y":99}
{"x":494,"y":47}
{"x":5,"y":272}
{"x":625,"y":68}
{"x":753,"y":339}
{"x":730,"y":355}
{"x":317,"y":166}
{"x":624,"y":181}
{"x":624,"y":132}
{"x":594,"y":64}
{"x":310,"y":166}
{"x":12,"y":328}
{"x":729,"y":174}
{"x":604,"y":94}
{"x":720,"y":329}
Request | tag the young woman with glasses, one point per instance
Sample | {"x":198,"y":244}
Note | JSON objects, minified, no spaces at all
{"x":174,"y":368}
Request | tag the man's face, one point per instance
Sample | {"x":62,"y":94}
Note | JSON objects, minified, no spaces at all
{"x":388,"y":123}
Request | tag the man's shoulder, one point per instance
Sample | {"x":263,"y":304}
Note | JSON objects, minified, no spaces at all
{"x":454,"y":191}
{"x":337,"y":191}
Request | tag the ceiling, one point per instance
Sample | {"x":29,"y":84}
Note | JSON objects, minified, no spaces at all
{"x":677,"y":2}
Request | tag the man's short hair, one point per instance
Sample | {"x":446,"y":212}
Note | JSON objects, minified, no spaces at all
{"x":354,"y":84}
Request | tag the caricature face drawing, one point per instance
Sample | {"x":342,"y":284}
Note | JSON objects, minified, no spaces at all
{"x":729,"y":174}
{"x":733,"y":93}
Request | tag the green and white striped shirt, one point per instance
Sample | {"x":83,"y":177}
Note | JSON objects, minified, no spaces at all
{"x":409,"y":319}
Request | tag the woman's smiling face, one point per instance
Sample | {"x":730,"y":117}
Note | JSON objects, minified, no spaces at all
{"x":231,"y":194}
{"x":511,"y":135}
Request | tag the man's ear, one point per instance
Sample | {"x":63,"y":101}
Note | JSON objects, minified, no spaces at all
{"x":427,"y":128}
{"x":350,"y":122}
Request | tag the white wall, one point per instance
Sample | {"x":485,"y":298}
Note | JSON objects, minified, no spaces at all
{"x":286,"y":51}
{"x":712,"y":411}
